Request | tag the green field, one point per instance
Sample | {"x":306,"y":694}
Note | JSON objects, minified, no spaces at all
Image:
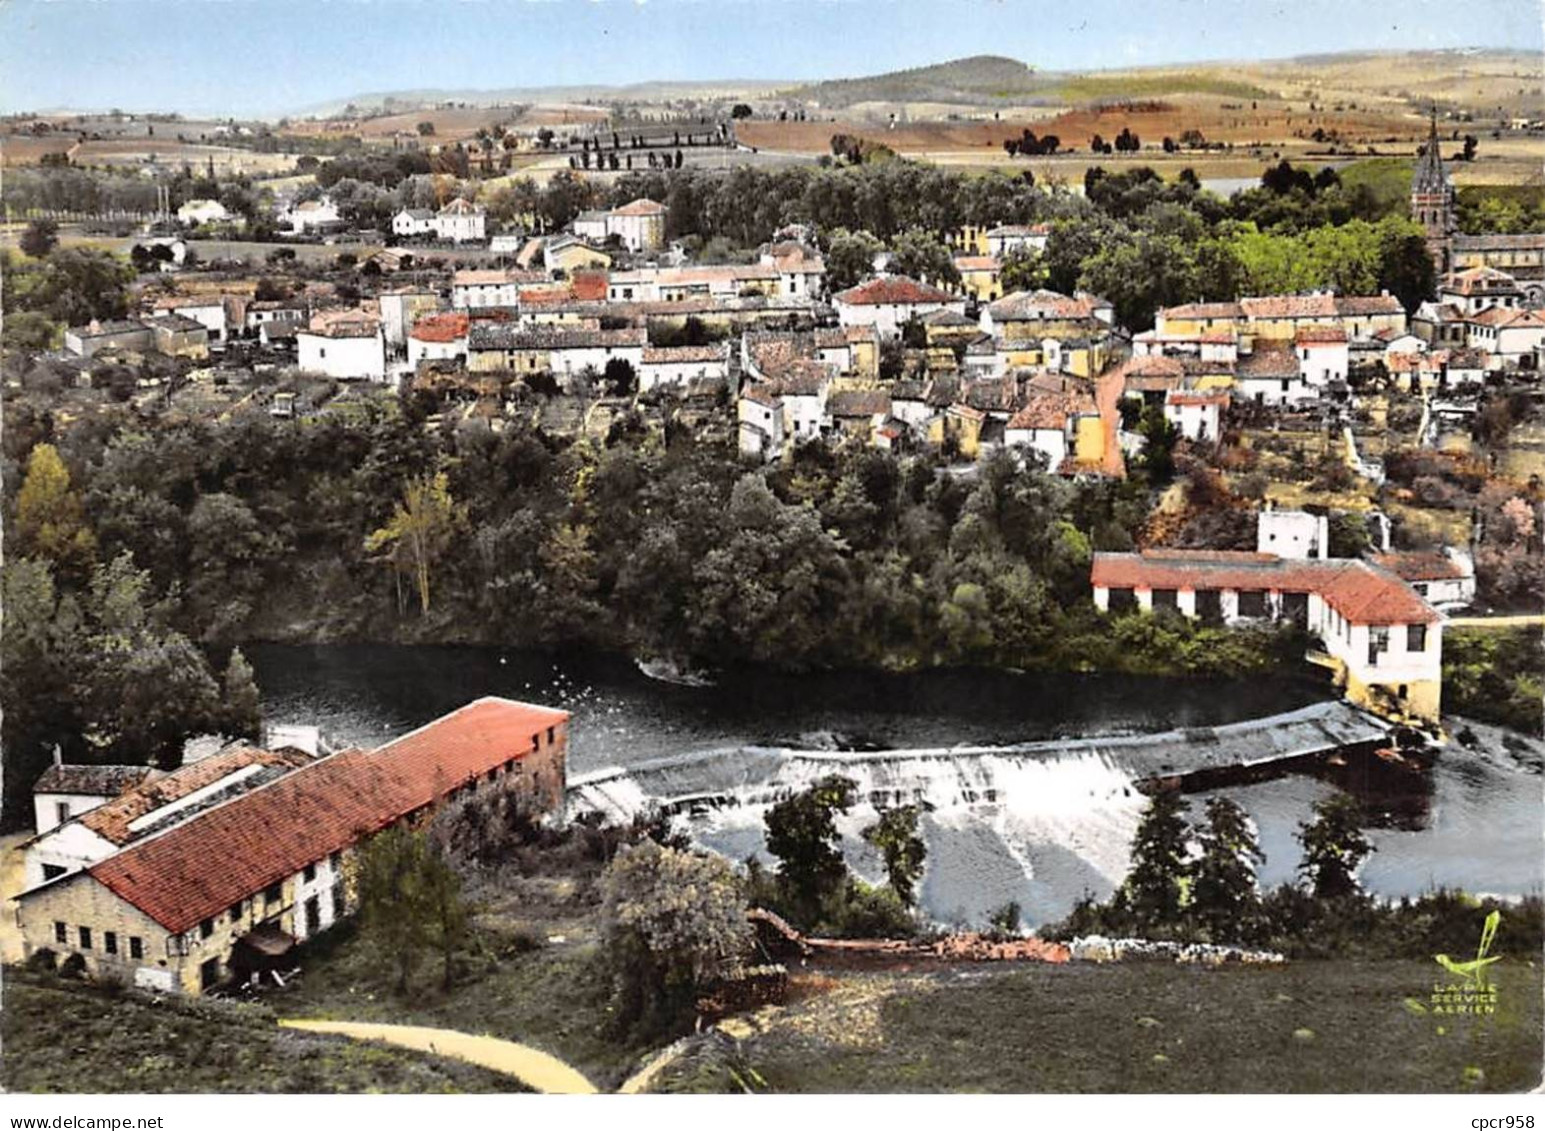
{"x":1334,"y":1026}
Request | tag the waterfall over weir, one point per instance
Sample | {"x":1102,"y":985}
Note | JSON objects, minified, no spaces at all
{"x":1038,"y":823}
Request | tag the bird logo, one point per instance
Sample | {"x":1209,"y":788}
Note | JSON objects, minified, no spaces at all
{"x":1475,"y":970}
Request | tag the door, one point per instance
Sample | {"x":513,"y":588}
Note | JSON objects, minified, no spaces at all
{"x":209,"y":974}
{"x":1209,"y":606}
{"x":313,"y":916}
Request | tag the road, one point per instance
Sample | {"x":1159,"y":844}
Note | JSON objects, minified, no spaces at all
{"x":537,"y":1070}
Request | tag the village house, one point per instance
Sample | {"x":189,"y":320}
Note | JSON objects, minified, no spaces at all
{"x":1050,"y":423}
{"x":142,"y":808}
{"x":1381,"y":638}
{"x":500,"y":346}
{"x":801,"y":270}
{"x":478,"y":288}
{"x":1273,"y":375}
{"x":312,"y":216}
{"x":980,"y":277}
{"x":1323,"y":355}
{"x":639,"y":225}
{"x":95,"y":336}
{"x":65,"y":791}
{"x":196,"y":212}
{"x":1029,"y":325}
{"x":1445,"y":578}
{"x":1479,"y":288}
{"x":438,"y":337}
{"x":346,"y":344}
{"x":273,"y":310}
{"x":680,"y":365}
{"x":411,"y":223}
{"x":461,"y":221}
{"x":1278,"y":318}
{"x":1292,"y":534}
{"x":1198,"y":416}
{"x":207,"y":310}
{"x":568,"y":254}
{"x":219,"y":896}
{"x":1509,"y":336}
{"x":1007,"y":238}
{"x":176,"y":336}
{"x":889,"y":302}
{"x":401,"y":308}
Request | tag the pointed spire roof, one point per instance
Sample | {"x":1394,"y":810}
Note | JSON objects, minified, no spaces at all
{"x":1430,"y":177}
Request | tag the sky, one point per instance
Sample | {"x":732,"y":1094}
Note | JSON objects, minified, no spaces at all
{"x":271,"y":57}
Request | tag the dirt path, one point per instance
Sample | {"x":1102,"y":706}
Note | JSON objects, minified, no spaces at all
{"x":1107,"y":395}
{"x":532,"y":1067}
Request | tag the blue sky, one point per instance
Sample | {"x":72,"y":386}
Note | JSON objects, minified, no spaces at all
{"x":266,"y":57}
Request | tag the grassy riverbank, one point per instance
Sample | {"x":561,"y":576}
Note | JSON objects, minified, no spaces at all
{"x":1330,"y":1026}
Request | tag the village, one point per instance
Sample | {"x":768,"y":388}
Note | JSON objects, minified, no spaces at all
{"x":749,"y":426}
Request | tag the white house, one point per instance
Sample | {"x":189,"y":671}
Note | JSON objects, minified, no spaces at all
{"x":313,"y":216}
{"x":760,"y":415}
{"x":196,"y":212}
{"x":461,"y":221}
{"x":1272,"y":376}
{"x":475,"y":289}
{"x":1445,"y":579}
{"x":348,"y":346}
{"x":1196,"y":414}
{"x":1323,"y":354}
{"x":1382,"y":639}
{"x":412,"y":222}
{"x":679,"y":365}
{"x":1292,"y":534}
{"x":438,"y":337}
{"x":639,"y":224}
{"x":65,"y":791}
{"x":889,"y":302}
{"x":1014,"y":237}
{"x":207,"y":310}
{"x":1510,"y":336}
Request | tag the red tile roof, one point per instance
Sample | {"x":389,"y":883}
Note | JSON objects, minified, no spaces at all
{"x":640,"y":207}
{"x":92,"y":781}
{"x":1360,"y":592}
{"x":893,"y":290}
{"x":440,"y":328}
{"x":204,"y":865}
{"x":113,"y":820}
{"x":1319,"y":335}
{"x":1421,"y":566}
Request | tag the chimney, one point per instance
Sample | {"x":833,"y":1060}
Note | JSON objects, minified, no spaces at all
{"x":1322,"y":542}
{"x":58,"y":755}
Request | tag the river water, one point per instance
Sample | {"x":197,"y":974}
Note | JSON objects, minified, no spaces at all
{"x":1039,"y":833}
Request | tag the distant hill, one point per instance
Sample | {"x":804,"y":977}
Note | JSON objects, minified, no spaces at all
{"x":980,"y":78}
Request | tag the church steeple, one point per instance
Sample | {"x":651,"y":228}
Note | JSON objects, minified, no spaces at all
{"x":1432,"y":199}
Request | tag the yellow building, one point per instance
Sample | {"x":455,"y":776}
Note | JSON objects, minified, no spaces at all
{"x":981,"y":277}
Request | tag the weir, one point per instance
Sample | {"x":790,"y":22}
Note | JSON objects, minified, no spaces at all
{"x":1030,"y":774}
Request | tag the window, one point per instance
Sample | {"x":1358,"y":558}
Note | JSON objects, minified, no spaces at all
{"x":1416,"y":638}
{"x":337,"y":901}
{"x":308,"y":873}
{"x":274,"y":893}
{"x":550,"y":732}
{"x":335,"y":862}
{"x":1378,"y":641}
{"x":85,"y":938}
{"x":61,"y":933}
{"x":62,"y":811}
{"x":1252,"y":603}
{"x":206,"y":928}
{"x":52,"y":871}
{"x":136,"y":947}
{"x":1166,"y":599}
{"x":110,"y":942}
{"x":236,"y":909}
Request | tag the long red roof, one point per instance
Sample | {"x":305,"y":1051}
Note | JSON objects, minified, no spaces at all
{"x":1360,"y":592}
{"x":203,"y":866}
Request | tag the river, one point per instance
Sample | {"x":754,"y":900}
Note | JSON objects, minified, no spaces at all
{"x":1038,"y":833}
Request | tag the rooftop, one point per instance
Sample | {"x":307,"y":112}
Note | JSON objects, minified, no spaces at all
{"x":92,"y":781}
{"x":893,"y":290}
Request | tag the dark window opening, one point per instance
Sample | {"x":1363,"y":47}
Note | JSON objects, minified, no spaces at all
{"x":136,"y":947}
{"x":50,"y":871}
{"x":274,"y":893}
{"x":1122,"y":600}
{"x":110,"y":942}
{"x":1252,"y":603}
{"x":206,"y":928}
{"x":61,"y":933}
{"x":308,"y":873}
{"x":1416,"y":638}
{"x":1166,"y":599}
{"x":85,"y":938}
